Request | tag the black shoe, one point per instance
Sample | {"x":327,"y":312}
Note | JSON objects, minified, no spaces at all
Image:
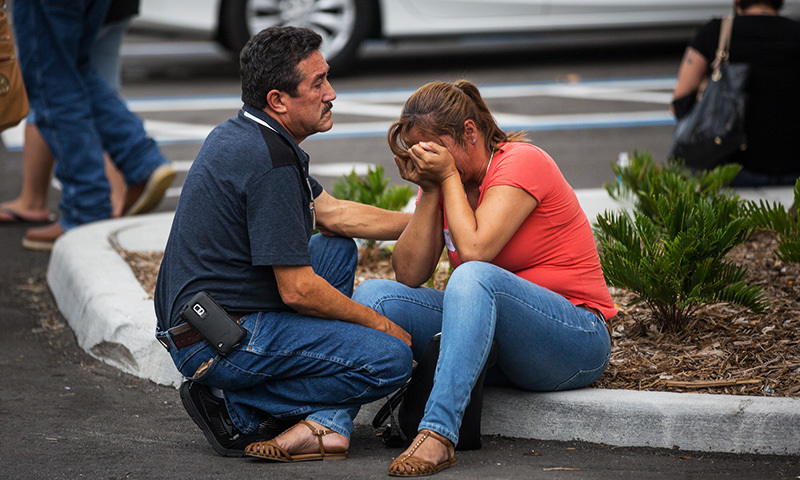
{"x":211,"y":415}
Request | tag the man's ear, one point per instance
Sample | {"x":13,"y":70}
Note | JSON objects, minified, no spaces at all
{"x":275,"y":101}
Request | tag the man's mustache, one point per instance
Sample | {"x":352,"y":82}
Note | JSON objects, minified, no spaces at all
{"x":328,"y":107}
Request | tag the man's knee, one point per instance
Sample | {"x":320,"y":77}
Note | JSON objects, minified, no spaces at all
{"x":343,"y":246}
{"x":397,"y":364}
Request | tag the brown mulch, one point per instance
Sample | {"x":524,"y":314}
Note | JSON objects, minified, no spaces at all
{"x":724,"y":350}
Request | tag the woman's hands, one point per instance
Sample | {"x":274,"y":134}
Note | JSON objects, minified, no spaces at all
{"x":428,"y":165}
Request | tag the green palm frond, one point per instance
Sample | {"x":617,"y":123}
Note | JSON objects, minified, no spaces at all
{"x":670,"y":250}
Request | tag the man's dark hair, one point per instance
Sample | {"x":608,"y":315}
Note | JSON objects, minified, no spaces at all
{"x":269,"y":62}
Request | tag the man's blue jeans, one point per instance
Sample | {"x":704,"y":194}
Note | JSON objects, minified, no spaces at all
{"x":544,"y":342}
{"x":293,"y":365}
{"x":77,"y":113}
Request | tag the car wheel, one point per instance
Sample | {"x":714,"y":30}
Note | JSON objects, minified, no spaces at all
{"x":343,"y":24}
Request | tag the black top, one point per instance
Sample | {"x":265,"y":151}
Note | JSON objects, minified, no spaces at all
{"x":771,"y":46}
{"x":120,"y":10}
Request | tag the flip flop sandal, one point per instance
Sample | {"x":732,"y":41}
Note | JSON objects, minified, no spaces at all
{"x":10,"y":217}
{"x":270,"y":449}
{"x":410,"y":466}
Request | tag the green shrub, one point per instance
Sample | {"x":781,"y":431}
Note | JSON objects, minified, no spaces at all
{"x":670,"y":250}
{"x":643,"y":182}
{"x":372,"y":190}
{"x":677,"y":269}
{"x":776,"y":218}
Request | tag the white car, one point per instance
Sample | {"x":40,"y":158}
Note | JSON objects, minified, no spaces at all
{"x":345,"y":24}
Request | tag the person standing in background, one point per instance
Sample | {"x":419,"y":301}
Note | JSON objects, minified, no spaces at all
{"x":770,"y":44}
{"x":79,"y":116}
{"x":30,"y":206}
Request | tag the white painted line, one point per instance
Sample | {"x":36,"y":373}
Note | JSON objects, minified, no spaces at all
{"x":185,"y":104}
{"x":338,"y":169}
{"x":173,"y":192}
{"x":176,"y":131}
{"x":173,"y":49}
{"x":335,"y":169}
{"x":181,"y":165}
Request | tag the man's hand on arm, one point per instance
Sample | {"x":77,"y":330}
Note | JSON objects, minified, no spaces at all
{"x":356,"y":220}
{"x":309,"y":294}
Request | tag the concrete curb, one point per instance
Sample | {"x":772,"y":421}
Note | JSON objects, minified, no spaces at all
{"x":114,"y":321}
{"x":104,"y":303}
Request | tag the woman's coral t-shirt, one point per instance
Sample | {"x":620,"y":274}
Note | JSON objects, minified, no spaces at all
{"x":554,"y":247}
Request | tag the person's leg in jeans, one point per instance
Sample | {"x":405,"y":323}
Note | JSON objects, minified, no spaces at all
{"x":291,"y":365}
{"x":54,"y":41}
{"x":105,"y":59}
{"x":418,"y":311}
{"x":31,"y":204}
{"x":545,"y":342}
{"x":105,"y":55}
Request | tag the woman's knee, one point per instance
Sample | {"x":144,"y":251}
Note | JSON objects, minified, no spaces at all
{"x":372,"y":293}
{"x":471,"y":278}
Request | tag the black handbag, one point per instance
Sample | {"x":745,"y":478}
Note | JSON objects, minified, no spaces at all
{"x":398,"y":420}
{"x":714,"y":128}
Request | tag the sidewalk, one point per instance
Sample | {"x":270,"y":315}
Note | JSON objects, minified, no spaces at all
{"x":114,"y":322}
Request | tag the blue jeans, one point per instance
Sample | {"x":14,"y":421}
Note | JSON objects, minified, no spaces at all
{"x":105,"y":52}
{"x":293,"y":365}
{"x":544,"y":342}
{"x":78,"y":114}
{"x":104,"y":56}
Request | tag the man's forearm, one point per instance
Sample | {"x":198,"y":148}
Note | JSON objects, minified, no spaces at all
{"x":309,"y":294}
{"x":356,"y":220}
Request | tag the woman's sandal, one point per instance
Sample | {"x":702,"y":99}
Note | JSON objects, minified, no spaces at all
{"x":410,"y":466}
{"x":270,"y":449}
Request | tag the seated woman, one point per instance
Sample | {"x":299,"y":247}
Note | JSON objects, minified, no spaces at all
{"x":527,"y":272}
{"x":770,"y":44}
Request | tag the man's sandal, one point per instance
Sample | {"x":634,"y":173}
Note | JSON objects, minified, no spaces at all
{"x":270,"y":449}
{"x":410,"y":466}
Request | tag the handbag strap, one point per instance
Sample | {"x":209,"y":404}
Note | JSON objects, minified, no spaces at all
{"x":723,"y":47}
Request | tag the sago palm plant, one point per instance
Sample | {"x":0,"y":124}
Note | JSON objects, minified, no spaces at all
{"x":776,"y":218}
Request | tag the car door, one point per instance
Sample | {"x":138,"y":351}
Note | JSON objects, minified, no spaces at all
{"x":594,"y":14}
{"x":431,"y":18}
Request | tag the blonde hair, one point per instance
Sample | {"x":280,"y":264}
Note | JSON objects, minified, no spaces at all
{"x":441,"y":108}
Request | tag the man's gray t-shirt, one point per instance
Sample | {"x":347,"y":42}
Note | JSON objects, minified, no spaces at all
{"x":243,"y":208}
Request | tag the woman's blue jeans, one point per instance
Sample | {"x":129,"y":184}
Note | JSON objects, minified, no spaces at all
{"x":544,"y":342}
{"x":292,"y":365}
{"x":78,"y":114}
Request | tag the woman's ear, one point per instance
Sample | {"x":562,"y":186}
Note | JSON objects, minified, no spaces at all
{"x":275,"y":101}
{"x":470,"y":131}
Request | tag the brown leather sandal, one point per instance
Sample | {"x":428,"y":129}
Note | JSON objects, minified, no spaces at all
{"x":410,"y":466}
{"x":270,"y":449}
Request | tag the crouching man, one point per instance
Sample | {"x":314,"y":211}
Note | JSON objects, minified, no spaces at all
{"x":243,"y":234}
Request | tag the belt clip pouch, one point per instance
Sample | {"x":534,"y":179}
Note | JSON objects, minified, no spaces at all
{"x":213,"y":323}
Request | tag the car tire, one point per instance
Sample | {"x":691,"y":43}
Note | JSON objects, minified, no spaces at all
{"x":351,"y":21}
